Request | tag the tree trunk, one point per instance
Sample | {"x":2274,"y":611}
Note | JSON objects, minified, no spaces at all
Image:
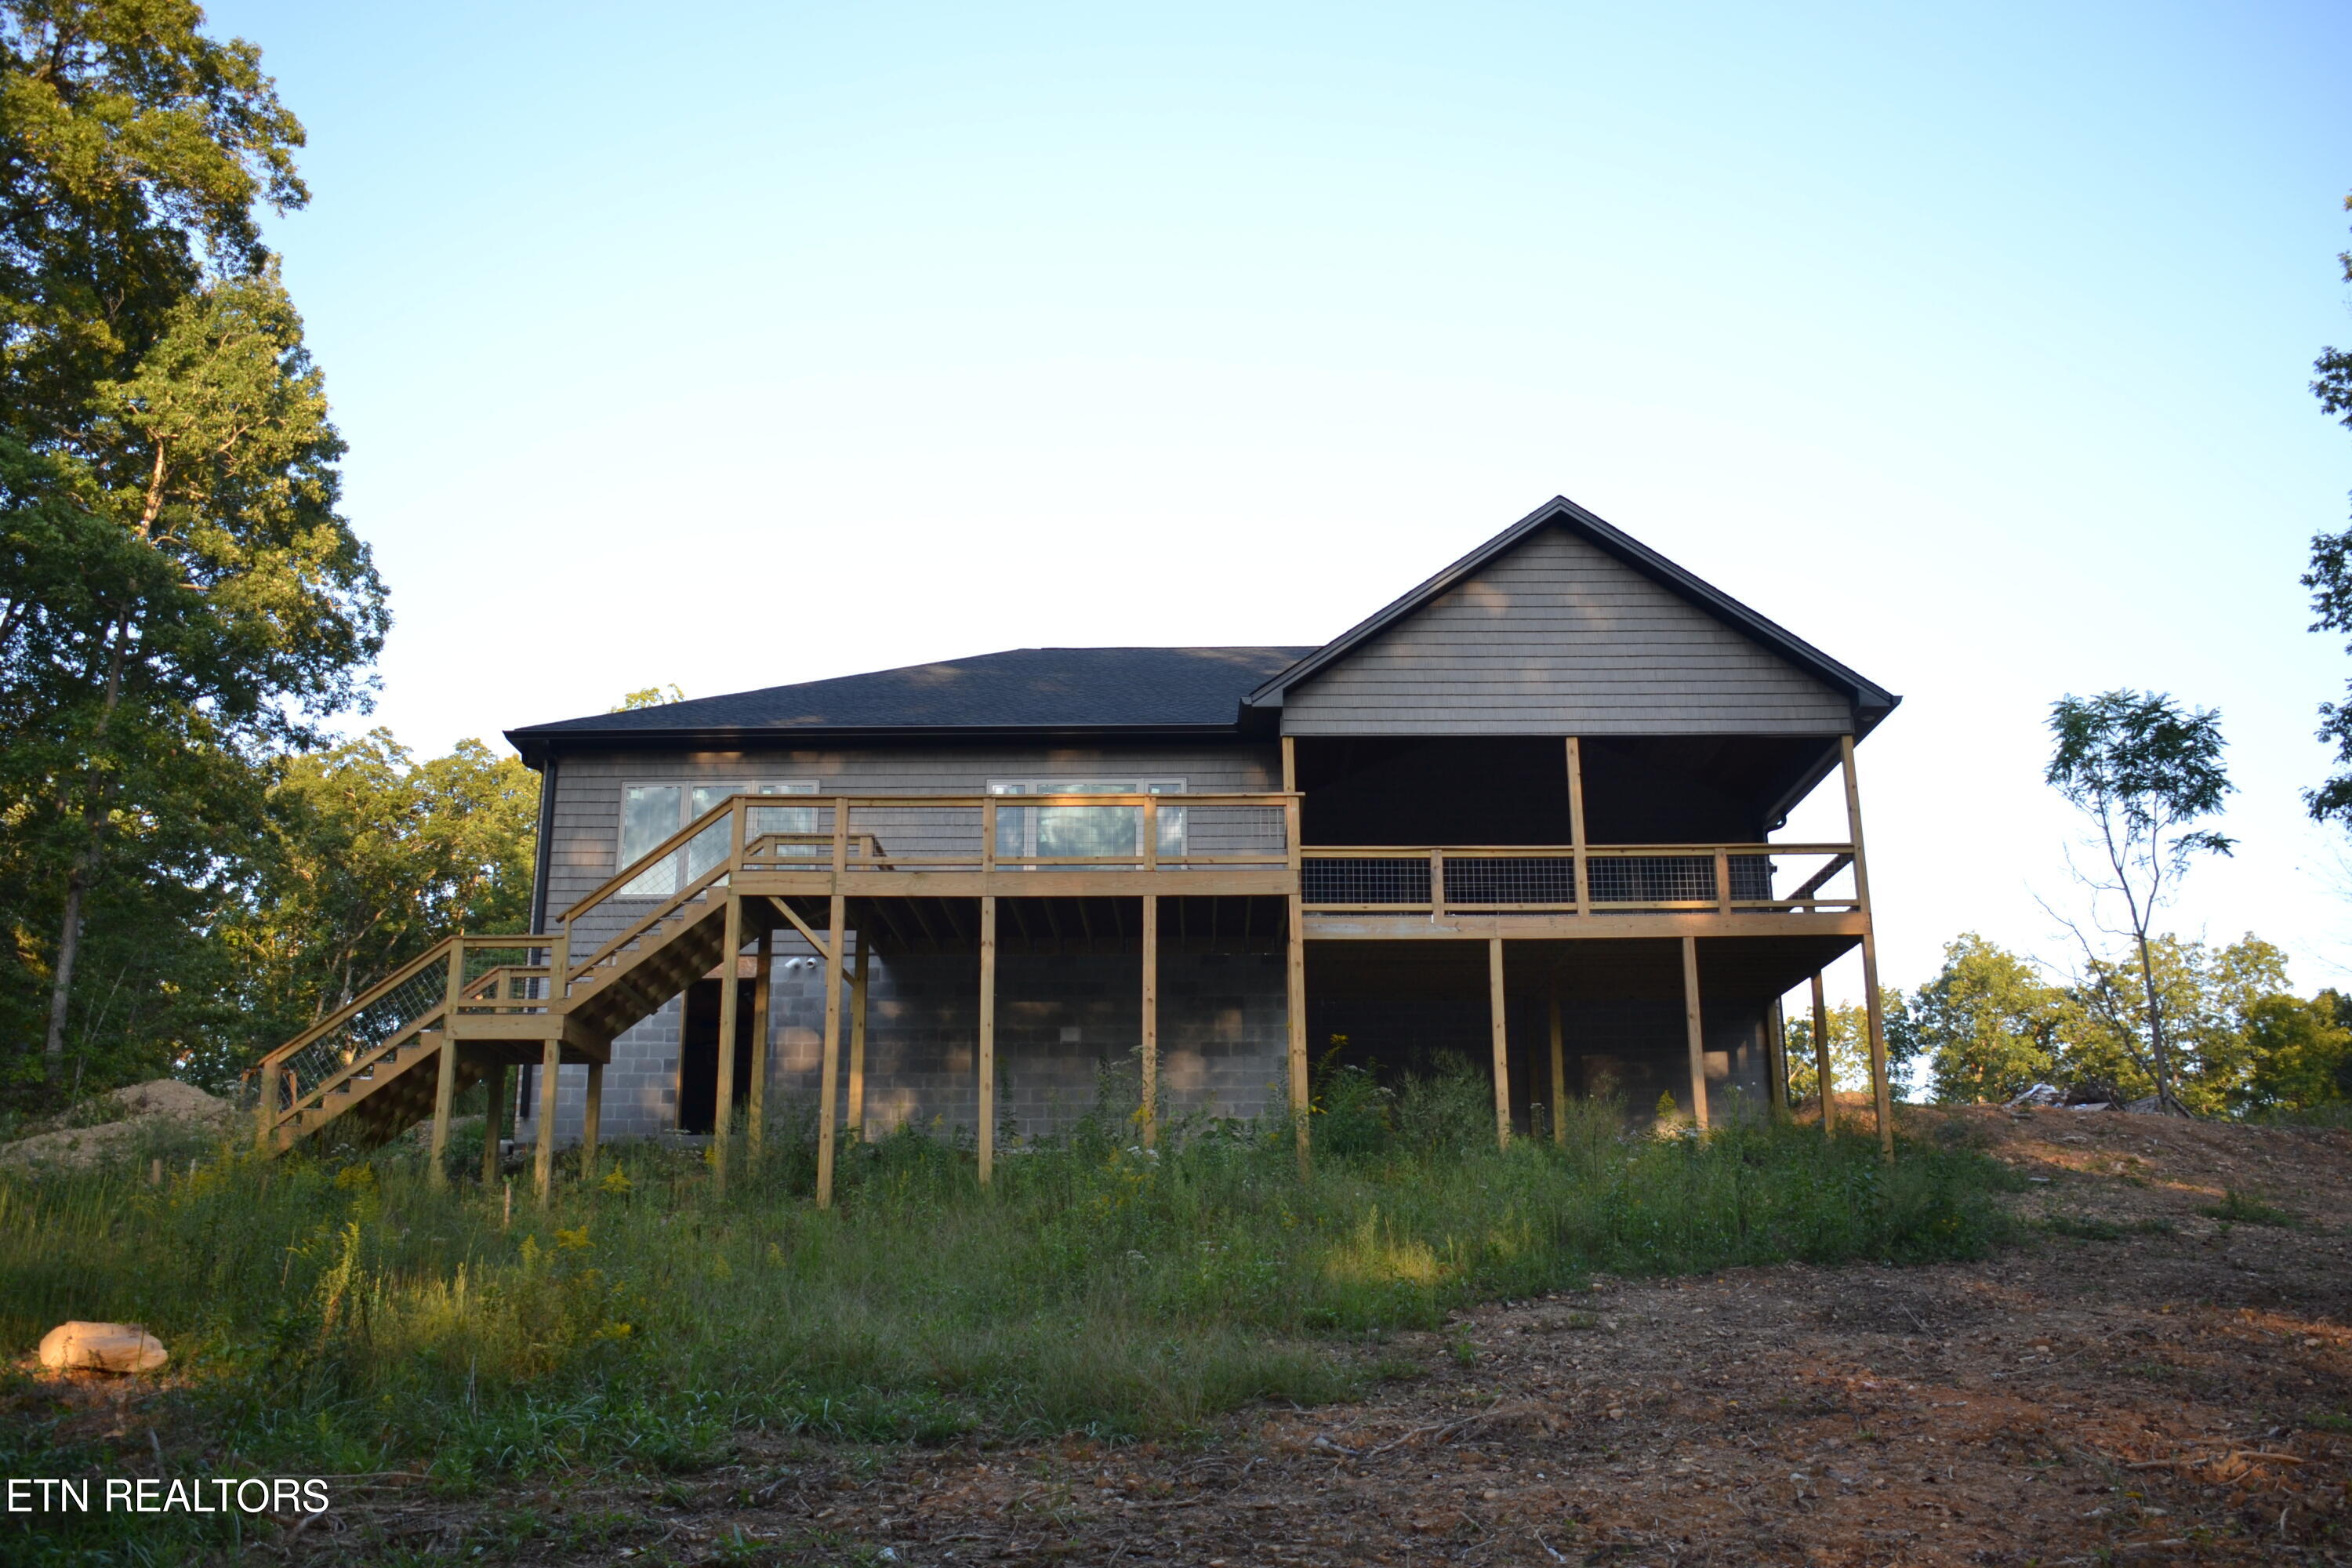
{"x":93,"y":811}
{"x":2165,"y":1100}
{"x":95,"y":801}
{"x":53,"y":1048}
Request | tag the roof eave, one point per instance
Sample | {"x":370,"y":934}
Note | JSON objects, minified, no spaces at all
{"x":535,"y":742}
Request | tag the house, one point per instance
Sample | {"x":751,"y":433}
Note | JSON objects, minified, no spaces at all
{"x":1523,"y":814}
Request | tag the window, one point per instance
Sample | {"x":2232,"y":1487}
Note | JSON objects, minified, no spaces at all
{"x":652,"y":812}
{"x":1079,"y":832}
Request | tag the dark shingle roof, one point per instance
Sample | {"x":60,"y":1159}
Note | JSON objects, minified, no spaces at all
{"x":1025,"y":688}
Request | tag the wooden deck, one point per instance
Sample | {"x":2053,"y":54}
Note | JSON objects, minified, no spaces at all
{"x":757,"y":864}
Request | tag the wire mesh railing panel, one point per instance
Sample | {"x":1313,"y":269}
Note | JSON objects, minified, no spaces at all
{"x":1364,"y":880}
{"x":1247,"y":835}
{"x":363,"y":1031}
{"x":1652,"y":878}
{"x":503,"y":964}
{"x":1751,"y":879}
{"x":1511,"y":880}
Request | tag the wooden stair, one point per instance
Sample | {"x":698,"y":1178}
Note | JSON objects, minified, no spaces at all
{"x":383,"y":1099}
{"x":372,"y":1069}
{"x":634,"y":983}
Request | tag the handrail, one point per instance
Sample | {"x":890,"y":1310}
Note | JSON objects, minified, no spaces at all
{"x":317,"y":1093}
{"x":358,"y":1004}
{"x":670,"y":907}
{"x":666,"y":848}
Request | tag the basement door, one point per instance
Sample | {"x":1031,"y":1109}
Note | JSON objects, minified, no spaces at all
{"x":697,"y":1055}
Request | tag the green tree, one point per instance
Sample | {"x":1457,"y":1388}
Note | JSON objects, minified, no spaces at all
{"x":178,"y":595}
{"x":2302,"y":1051}
{"x":2213,"y":1000}
{"x":2143,"y":771}
{"x":1849,"y":1037}
{"x":1988,"y":1023}
{"x":369,"y":857}
{"x":134,"y":151}
{"x":2329,"y":580}
{"x":651,"y":697}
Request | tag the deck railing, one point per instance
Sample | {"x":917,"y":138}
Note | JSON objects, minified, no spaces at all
{"x":757,"y":834}
{"x":1611,"y":878}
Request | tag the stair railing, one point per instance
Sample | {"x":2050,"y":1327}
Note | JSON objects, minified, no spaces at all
{"x":299,"y":1076}
{"x":378,"y":1021}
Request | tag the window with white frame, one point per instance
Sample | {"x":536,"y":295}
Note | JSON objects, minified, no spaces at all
{"x":651,"y":813}
{"x":1082,"y":832}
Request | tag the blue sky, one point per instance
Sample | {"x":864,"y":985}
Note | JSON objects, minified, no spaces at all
{"x":763,"y":343}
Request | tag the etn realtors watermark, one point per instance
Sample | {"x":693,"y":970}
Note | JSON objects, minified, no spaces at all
{"x":150,"y":1494}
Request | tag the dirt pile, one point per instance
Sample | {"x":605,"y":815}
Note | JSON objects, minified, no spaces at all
{"x":119,"y":1124}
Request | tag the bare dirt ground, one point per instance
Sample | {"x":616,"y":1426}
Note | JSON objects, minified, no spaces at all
{"x":2139,"y":1380}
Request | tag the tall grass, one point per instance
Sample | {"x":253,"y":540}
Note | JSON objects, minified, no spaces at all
{"x":343,"y":1317}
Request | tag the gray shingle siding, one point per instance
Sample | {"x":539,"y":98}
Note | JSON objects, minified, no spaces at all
{"x":1559,"y":638}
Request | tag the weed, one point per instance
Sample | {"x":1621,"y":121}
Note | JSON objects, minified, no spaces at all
{"x":334,"y":1314}
{"x":2241,"y":1209}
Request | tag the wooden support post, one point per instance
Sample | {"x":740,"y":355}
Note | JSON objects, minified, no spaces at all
{"x":1290,"y":764}
{"x":1296,"y":1019}
{"x":828,"y":1112}
{"x":1498,"y":1026}
{"x":544,"y":1158}
{"x":986,"y":1064}
{"x":1722,"y":881}
{"x":444,"y":1087}
{"x":1882,"y":1097}
{"x":1148,"y":1109}
{"x":722,"y":1119}
{"x":493,"y":1123}
{"x":444,"y":1093}
{"x":591,"y":1121}
{"x":1436,"y":885}
{"x":1776,"y":1062}
{"x":1576,"y":826}
{"x":755,"y":1124}
{"x":1697,"y":1035}
{"x":1882,"y":1100}
{"x":857,"y":984}
{"x":1559,"y":1071}
{"x":1823,"y":1084}
{"x":1295,"y":989}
